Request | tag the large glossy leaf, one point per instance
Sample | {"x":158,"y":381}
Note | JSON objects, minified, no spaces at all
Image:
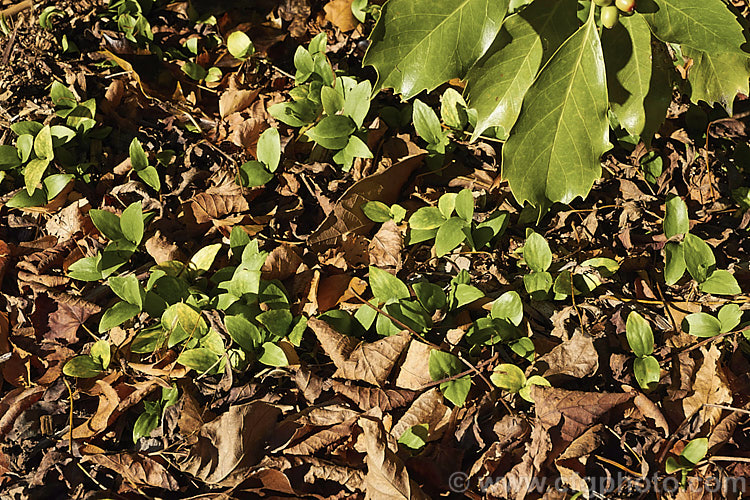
{"x":627,"y":53}
{"x":705,"y":25}
{"x":554,"y":148}
{"x":712,"y":36}
{"x":419,"y":44}
{"x":497,"y":83}
{"x":717,"y":77}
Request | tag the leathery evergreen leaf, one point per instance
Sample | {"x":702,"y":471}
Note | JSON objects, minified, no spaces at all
{"x":554,"y":148}
{"x":627,"y":52}
{"x":498,"y":82}
{"x":418,"y":44}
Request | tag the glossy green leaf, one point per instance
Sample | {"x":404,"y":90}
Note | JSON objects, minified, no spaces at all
{"x":127,"y":288}
{"x":508,"y":306}
{"x":720,"y":282}
{"x":525,"y":391}
{"x":443,"y":364}
{"x":144,"y":424}
{"x":456,"y":390}
{"x":449,"y":236}
{"x":465,"y":205}
{"x":107,"y":223}
{"x":676,"y":218}
{"x":377,"y":211}
{"x":431,"y":296}
{"x":83,"y":367}
{"x":269,"y":148}
{"x":497,"y":83}
{"x":101,"y":353}
{"x":427,"y":218}
{"x":204,"y":258}
{"x":199,"y":359}
{"x":131,"y":223}
{"x":277,"y":321}
{"x":415,"y":437}
{"x":674,"y":268}
{"x":695,"y":451}
{"x":332,"y":132}
{"x":553,"y":152}
{"x":426,"y":123}
{"x":43,"y":144}
{"x":729,"y":316}
{"x":357,"y":102}
{"x":699,"y":258}
{"x":386,"y":286}
{"x":273,"y":355}
{"x":536,"y":252}
{"x":647,"y":372}
{"x":711,"y":35}
{"x":466,"y":294}
{"x":117,"y":315}
{"x":640,"y":336}
{"x":453,"y":109}
{"x":240,"y":45}
{"x":253,"y":174}
{"x":86,"y":269}
{"x":537,"y":284}
{"x":701,"y":325}
{"x":418,"y":44}
{"x":150,"y":176}
{"x":9,"y":157}
{"x":627,"y":54}
{"x":194,"y":71}
{"x":243,"y":332}
{"x":138,"y":158}
{"x":508,"y":377}
{"x":33,"y":173}
{"x":183,"y":322}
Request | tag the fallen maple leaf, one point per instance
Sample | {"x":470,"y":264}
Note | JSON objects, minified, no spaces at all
{"x":339,"y":13}
{"x":710,"y":386}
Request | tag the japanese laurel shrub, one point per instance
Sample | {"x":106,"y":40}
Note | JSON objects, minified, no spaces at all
{"x":550,"y":81}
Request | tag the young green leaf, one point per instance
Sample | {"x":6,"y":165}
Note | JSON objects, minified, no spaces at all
{"x":101,"y":353}
{"x":647,"y":372}
{"x":427,"y":218}
{"x":449,"y":235}
{"x":244,"y":333}
{"x":127,"y":288}
{"x":465,"y":205}
{"x":117,"y":315}
{"x":269,"y":148}
{"x":131,"y":223}
{"x":386,"y":286}
{"x":676,"y":219}
{"x":508,"y":377}
{"x":332,"y":132}
{"x":107,"y":223}
{"x":720,"y":282}
{"x":138,"y":158}
{"x":701,"y":325}
{"x":199,"y":359}
{"x":536,"y":252}
{"x":730,"y":316}
{"x":377,"y":211}
{"x":254,"y":174}
{"x":415,"y":437}
{"x":427,"y":123}
{"x":240,"y":45}
{"x":674,"y":268}
{"x":694,"y":451}
{"x":272,"y":355}
{"x":82,"y":367}
{"x":699,"y":258}
{"x":508,"y":306}
{"x":639,"y":334}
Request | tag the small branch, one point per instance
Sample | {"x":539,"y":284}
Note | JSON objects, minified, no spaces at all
{"x":15,"y":9}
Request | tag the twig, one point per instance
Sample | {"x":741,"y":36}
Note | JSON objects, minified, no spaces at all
{"x":15,"y":9}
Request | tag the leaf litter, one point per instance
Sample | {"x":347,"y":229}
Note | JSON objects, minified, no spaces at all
{"x":332,"y":413}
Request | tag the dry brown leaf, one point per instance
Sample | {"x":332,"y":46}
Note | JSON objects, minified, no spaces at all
{"x":282,"y":262}
{"x":71,"y":313}
{"x":414,"y":372}
{"x":347,"y":216}
{"x":232,"y":443}
{"x":516,"y":483}
{"x":70,"y":220}
{"x":386,"y":246}
{"x":234,"y":100}
{"x":429,"y":409}
{"x":326,"y":437}
{"x":136,"y":469}
{"x":710,"y":386}
{"x":162,"y":249}
{"x":109,"y":400}
{"x":357,"y":360}
{"x":724,"y":430}
{"x":569,"y":464}
{"x":387,"y":477}
{"x":339,"y":13}
{"x":338,"y":288}
{"x":4,"y":259}
{"x":576,"y":357}
{"x":14,"y":403}
{"x":374,"y":397}
{"x":217,"y":202}
{"x":575,"y":410}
